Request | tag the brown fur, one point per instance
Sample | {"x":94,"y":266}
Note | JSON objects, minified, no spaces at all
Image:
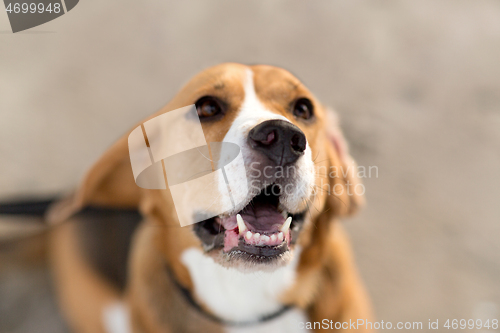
{"x":327,"y":285}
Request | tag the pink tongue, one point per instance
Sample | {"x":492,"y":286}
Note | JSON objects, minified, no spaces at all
{"x":263,"y":218}
{"x":258,"y":217}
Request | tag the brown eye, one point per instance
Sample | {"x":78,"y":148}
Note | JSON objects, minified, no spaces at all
{"x":303,"y":108}
{"x":208,"y":107}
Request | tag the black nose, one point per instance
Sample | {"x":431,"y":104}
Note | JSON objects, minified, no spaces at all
{"x":281,"y":141}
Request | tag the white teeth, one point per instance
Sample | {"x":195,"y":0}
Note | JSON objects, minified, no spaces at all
{"x":241,"y":224}
{"x":263,"y":239}
{"x":284,"y":214}
{"x":258,"y":239}
{"x":284,"y":228}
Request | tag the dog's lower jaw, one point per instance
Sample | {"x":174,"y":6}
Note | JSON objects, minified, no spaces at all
{"x":247,"y":263}
{"x":244,"y":255}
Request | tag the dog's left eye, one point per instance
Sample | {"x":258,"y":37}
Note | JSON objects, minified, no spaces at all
{"x":303,"y":108}
{"x":208,"y":107}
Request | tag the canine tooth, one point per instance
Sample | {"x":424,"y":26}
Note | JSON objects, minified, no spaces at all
{"x":274,"y":238}
{"x":284,"y":228}
{"x":241,"y":224}
{"x":280,"y":236}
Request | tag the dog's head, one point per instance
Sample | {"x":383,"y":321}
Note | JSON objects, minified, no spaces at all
{"x":297,"y":169}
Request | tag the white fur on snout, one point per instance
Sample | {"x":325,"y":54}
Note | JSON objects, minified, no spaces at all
{"x":252,"y":113}
{"x":304,"y":182}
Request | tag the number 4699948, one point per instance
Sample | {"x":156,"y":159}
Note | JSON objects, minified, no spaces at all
{"x":33,"y":8}
{"x":471,"y":324}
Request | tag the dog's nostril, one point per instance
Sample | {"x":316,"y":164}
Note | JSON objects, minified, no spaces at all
{"x":298,"y":143}
{"x":270,"y":138}
{"x":263,"y":138}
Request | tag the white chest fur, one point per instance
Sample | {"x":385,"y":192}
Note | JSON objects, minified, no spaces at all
{"x":236,"y":296}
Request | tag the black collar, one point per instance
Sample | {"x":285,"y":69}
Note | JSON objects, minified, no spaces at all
{"x":219,"y":320}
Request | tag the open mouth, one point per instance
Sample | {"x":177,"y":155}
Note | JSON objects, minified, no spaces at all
{"x":262,"y":230}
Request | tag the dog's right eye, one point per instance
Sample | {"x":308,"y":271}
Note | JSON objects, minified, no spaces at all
{"x":208,"y":106}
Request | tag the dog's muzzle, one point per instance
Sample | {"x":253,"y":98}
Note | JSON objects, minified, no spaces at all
{"x":264,"y":229}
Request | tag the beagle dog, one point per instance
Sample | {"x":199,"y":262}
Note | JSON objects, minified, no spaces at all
{"x":277,"y":262}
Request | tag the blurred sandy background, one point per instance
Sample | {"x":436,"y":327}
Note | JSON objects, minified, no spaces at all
{"x":417,"y":85}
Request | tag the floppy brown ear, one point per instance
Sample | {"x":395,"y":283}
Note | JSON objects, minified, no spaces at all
{"x":108,"y":183}
{"x":346,"y":191}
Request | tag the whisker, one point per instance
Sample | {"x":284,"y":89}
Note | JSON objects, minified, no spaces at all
{"x":312,"y":203}
{"x":323,"y":189}
{"x":316,"y":157}
{"x":309,"y":209}
{"x":320,"y":161}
